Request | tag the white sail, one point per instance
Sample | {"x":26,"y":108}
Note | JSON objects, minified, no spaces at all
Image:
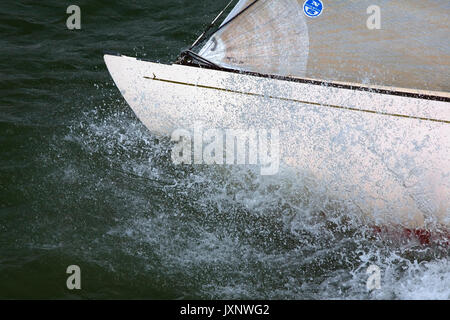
{"x":256,"y":40}
{"x":410,"y":50}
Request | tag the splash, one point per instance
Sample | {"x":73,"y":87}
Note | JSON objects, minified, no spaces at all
{"x":228,"y":232}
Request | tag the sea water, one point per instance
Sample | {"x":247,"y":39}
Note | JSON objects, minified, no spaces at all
{"x":83,"y":182}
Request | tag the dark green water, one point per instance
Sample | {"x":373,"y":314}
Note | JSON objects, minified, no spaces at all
{"x":82,"y":182}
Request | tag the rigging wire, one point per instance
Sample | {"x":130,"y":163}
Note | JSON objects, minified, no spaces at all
{"x":237,"y":15}
{"x":187,"y":56}
{"x":225,"y":24}
{"x":210,"y":26}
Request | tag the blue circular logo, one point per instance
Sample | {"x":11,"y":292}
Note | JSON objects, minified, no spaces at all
{"x":313,"y":8}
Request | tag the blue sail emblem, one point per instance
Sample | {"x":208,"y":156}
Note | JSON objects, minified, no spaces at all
{"x":313,"y":8}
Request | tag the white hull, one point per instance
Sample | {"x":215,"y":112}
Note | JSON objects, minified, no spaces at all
{"x":389,"y":154}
